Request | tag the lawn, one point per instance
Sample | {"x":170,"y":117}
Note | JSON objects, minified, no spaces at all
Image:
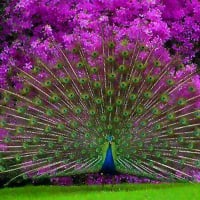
{"x":177,"y":191}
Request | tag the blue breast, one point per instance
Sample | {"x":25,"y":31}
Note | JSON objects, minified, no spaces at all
{"x":109,"y":165}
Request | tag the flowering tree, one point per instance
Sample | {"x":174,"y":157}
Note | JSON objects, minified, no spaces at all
{"x":30,"y":26}
{"x":183,"y":19}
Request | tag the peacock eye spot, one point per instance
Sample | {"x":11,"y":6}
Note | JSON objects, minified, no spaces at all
{"x":142,"y":47}
{"x":112,"y":76}
{"x":110,"y":59}
{"x":79,"y":65}
{"x":94,"y":69}
{"x":2,"y":123}
{"x":181,"y":66}
{"x":122,"y":68}
{"x":95,"y":54}
{"x":111,"y":45}
{"x":59,"y":66}
{"x":75,"y":50}
{"x":140,"y":66}
{"x":36,"y":69}
{"x":157,"y":63}
{"x":191,"y":89}
{"x":97,"y":85}
{"x":125,"y":54}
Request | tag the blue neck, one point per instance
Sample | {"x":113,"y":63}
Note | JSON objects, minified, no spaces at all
{"x":109,"y":165}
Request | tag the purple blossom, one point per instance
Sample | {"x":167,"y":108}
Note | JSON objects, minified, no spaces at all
{"x":35,"y":24}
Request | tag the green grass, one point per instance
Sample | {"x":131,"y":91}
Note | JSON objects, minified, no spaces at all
{"x":177,"y":191}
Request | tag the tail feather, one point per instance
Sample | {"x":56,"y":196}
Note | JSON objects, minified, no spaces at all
{"x":60,"y":118}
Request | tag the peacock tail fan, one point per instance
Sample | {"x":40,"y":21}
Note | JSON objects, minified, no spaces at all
{"x":119,"y":109}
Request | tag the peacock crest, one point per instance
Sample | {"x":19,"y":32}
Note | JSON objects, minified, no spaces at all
{"x":119,"y":108}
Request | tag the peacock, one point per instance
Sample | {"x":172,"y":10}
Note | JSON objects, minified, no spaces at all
{"x":116,"y":109}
